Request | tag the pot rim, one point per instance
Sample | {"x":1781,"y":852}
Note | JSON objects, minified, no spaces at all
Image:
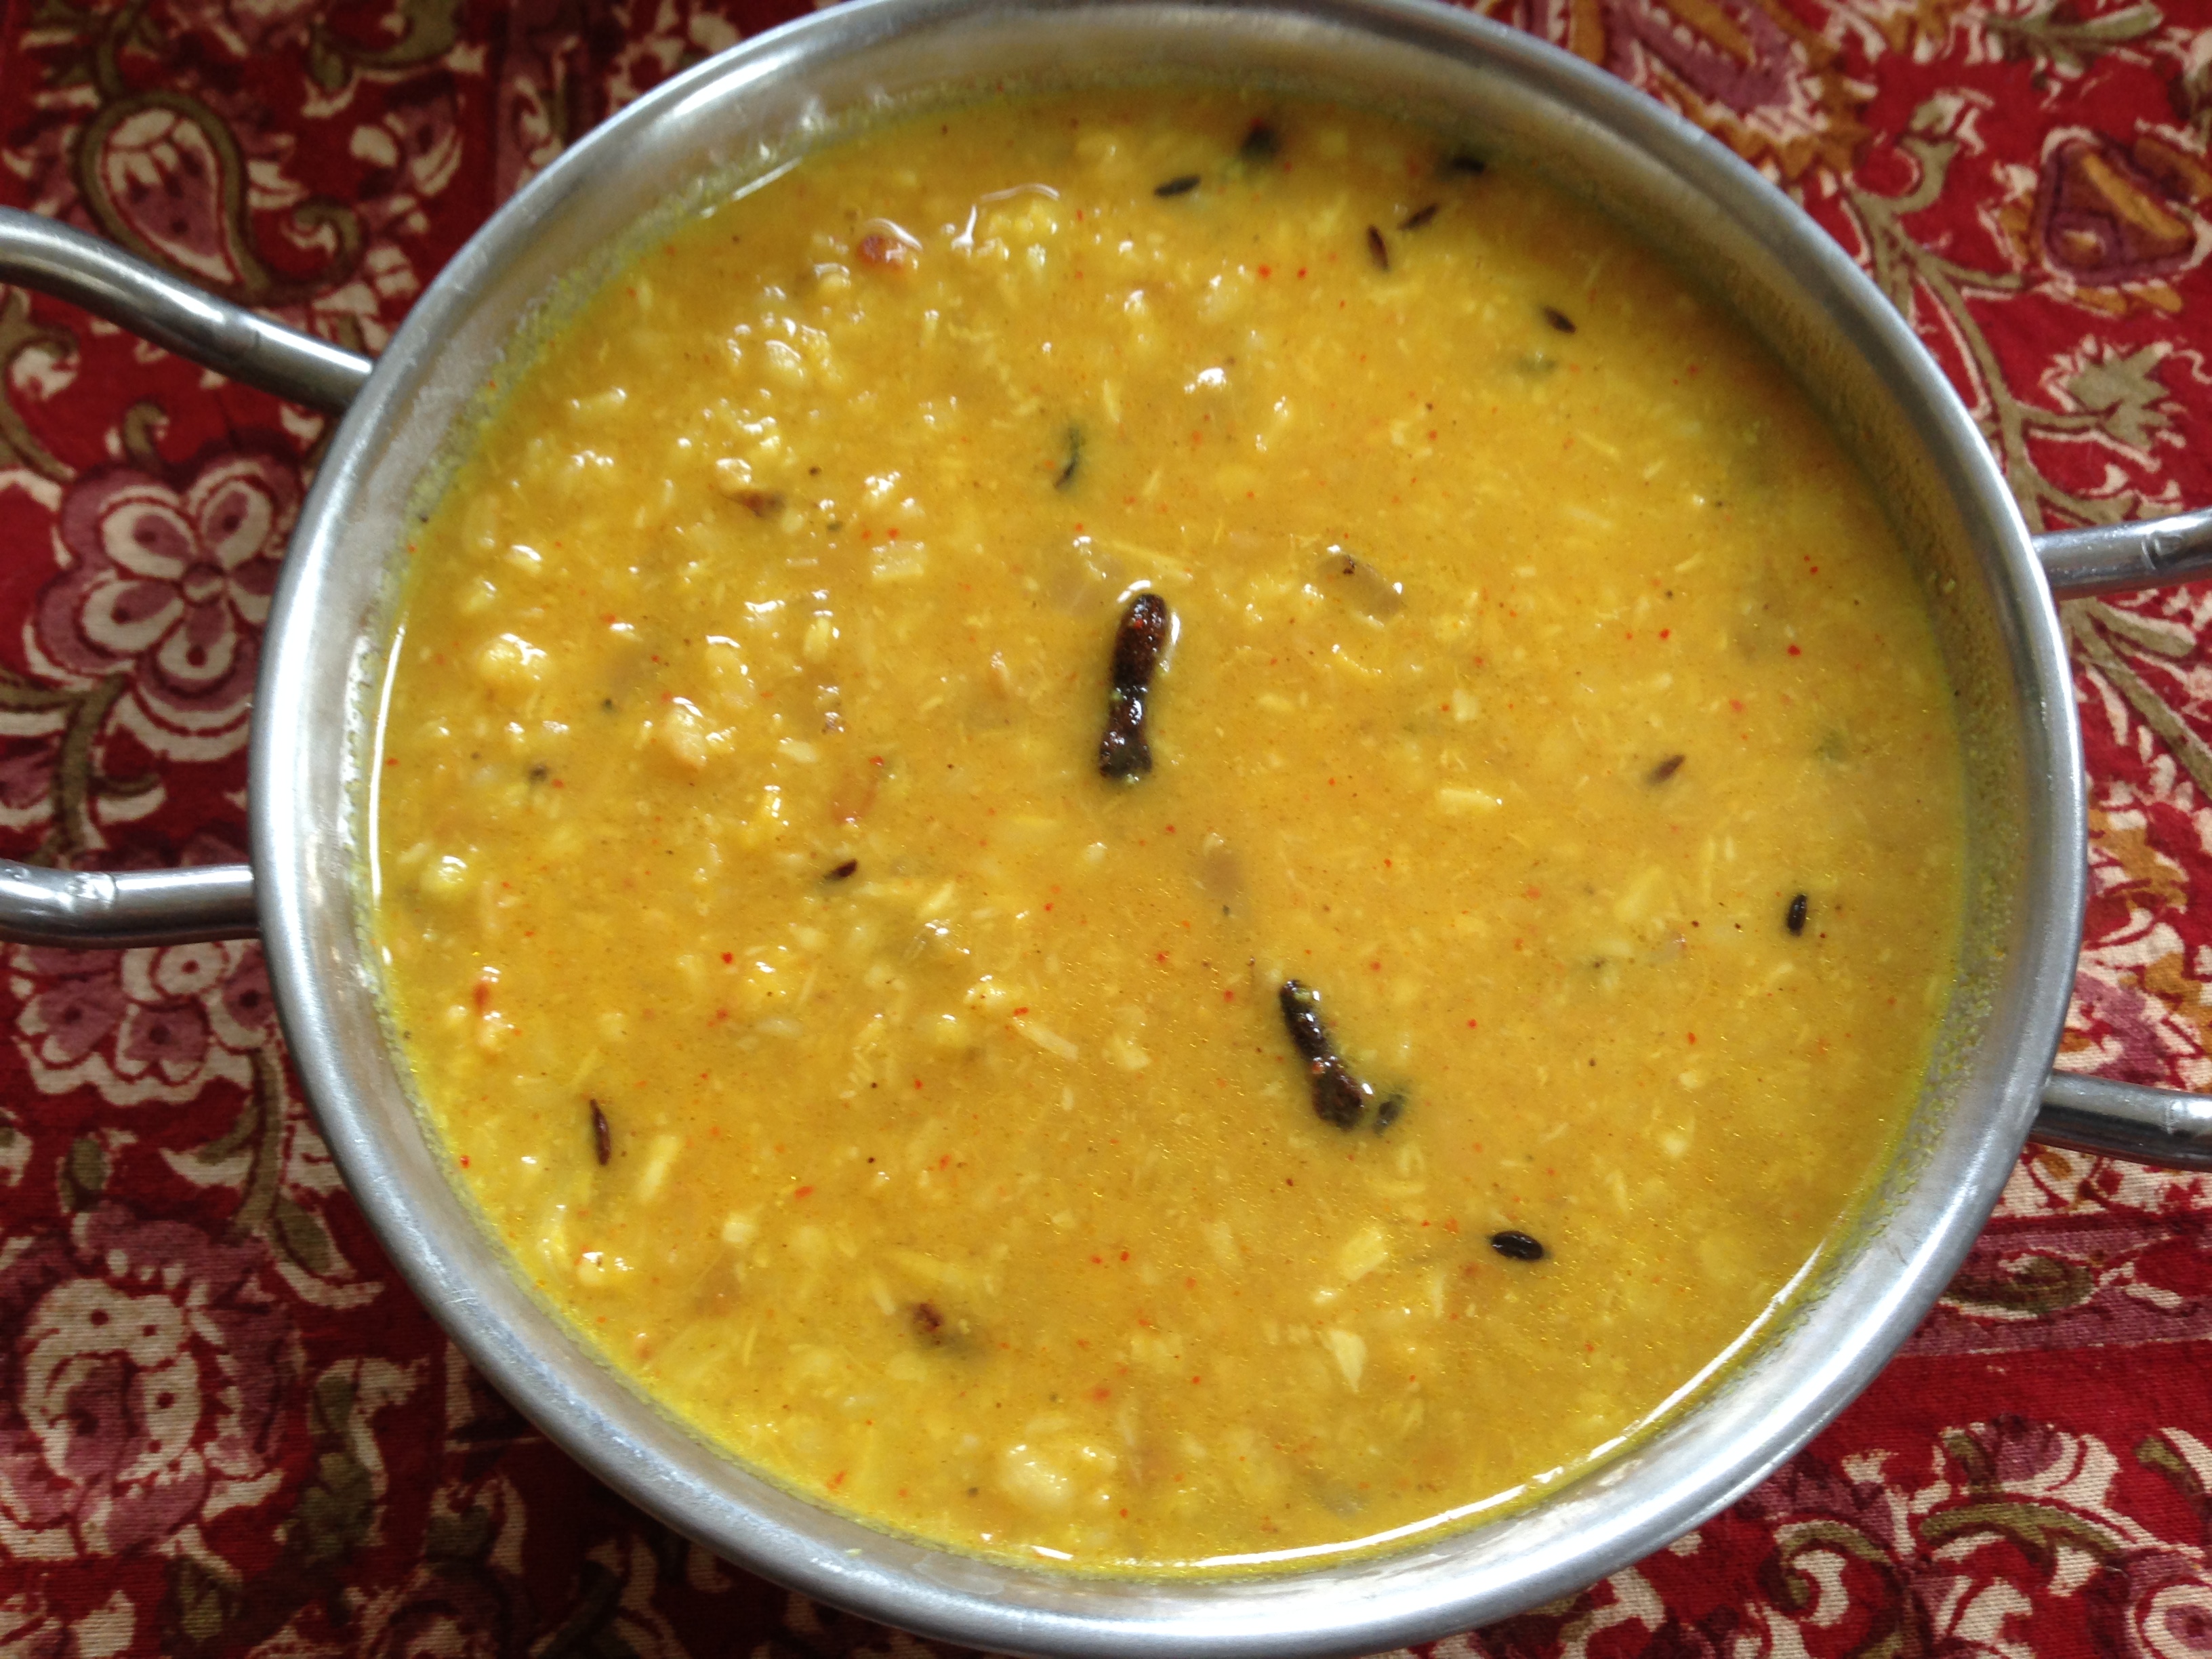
{"x":321,"y":969}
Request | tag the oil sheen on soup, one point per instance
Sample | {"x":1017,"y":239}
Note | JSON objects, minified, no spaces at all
{"x":1522,"y":944}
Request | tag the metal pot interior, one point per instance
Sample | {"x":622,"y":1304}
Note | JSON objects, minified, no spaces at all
{"x":1683,"y":193}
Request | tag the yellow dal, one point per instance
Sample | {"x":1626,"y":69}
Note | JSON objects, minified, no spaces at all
{"x":981,"y":1190}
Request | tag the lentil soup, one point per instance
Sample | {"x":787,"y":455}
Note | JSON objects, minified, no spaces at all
{"x":1161,"y":830}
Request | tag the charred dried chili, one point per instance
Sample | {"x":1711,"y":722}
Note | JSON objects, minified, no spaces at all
{"x":1338,"y":1098}
{"x":1123,"y":753}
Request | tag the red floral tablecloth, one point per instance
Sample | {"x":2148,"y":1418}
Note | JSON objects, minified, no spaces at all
{"x":225,"y":1426}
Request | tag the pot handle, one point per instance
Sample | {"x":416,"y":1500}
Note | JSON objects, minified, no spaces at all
{"x":2149,"y":553}
{"x":2095,"y":1113}
{"x":95,"y":909}
{"x":40,"y":253}
{"x":2125,"y":1120}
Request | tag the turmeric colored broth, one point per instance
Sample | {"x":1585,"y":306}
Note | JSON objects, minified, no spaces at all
{"x":912,"y":1107}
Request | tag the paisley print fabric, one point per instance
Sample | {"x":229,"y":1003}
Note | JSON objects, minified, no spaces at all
{"x":227,"y":1427}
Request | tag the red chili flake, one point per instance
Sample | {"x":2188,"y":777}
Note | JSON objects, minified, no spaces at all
{"x":1794,"y":652}
{"x":803,"y":1191}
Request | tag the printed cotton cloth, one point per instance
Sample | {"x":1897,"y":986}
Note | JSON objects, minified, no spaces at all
{"x":227,"y":1427}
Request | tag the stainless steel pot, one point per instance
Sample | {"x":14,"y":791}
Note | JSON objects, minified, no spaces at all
{"x":1989,"y":587}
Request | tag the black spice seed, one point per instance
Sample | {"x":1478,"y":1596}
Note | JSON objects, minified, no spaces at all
{"x":1261,"y":145}
{"x":1795,"y":921}
{"x":607,"y":704}
{"x":540,"y":772}
{"x":1074,"y":458}
{"x":1377,"y":249}
{"x":603,"y":1138}
{"x":1667,"y":768}
{"x":1177,"y":187}
{"x":1517,"y":1245}
{"x":1559,"y":320}
{"x":1419,"y":216}
{"x":926,"y":1320}
{"x":1466,"y":163}
{"x":1124,"y":754}
{"x":843,"y":870}
{"x":1386,"y":1113}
